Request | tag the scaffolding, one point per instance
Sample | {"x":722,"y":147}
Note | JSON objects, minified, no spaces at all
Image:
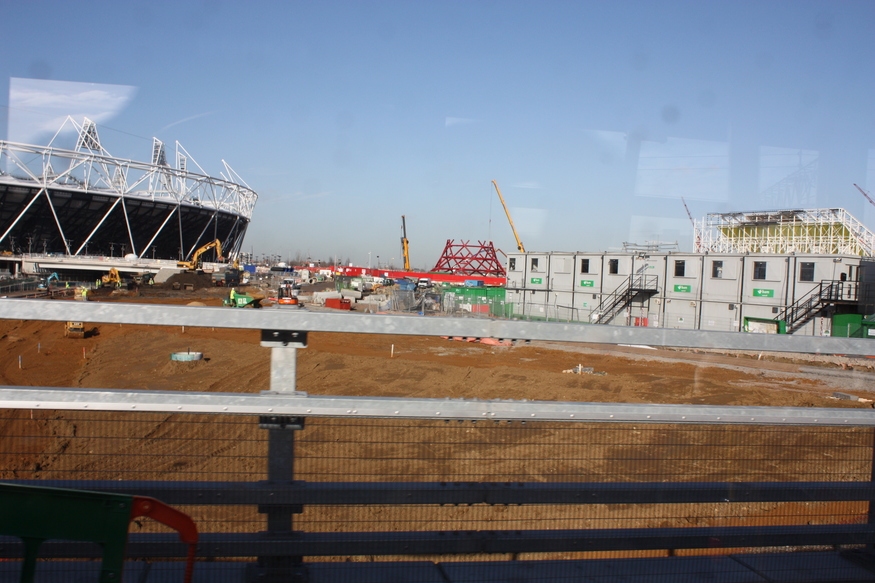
{"x":816,"y":231}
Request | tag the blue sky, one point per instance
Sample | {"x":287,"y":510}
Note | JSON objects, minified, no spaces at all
{"x":593,"y":117}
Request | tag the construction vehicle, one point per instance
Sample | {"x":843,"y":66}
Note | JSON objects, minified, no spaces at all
{"x":287,"y":296}
{"x":242,"y":300}
{"x":405,"y":248}
{"x":74,"y":330}
{"x":113,"y":278}
{"x":519,"y":244}
{"x":195,"y":262}
{"x":142,"y":278}
{"x":48,"y":281}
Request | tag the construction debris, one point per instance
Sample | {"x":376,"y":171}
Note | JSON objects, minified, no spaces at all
{"x":489,"y":341}
{"x":847,"y":397}
{"x":580,"y":369}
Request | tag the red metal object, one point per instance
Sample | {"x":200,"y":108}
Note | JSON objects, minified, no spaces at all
{"x":169,"y":516}
{"x":467,"y":259}
{"x":337,"y":303}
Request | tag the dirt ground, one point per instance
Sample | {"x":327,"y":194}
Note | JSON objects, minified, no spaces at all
{"x":137,"y":357}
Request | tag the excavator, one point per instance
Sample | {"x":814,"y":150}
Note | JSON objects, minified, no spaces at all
{"x":113,"y":278}
{"x":195,"y":262}
{"x":48,"y":281}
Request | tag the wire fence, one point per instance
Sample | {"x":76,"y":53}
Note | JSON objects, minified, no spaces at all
{"x":67,"y":448}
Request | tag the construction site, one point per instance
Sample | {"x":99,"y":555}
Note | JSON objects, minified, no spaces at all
{"x":639,"y":416}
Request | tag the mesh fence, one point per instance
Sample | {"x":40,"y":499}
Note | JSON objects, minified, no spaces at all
{"x":190,"y":449}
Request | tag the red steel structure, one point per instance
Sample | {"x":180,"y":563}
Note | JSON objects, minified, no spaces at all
{"x":467,"y":259}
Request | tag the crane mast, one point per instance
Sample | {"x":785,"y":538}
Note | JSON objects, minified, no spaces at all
{"x":689,"y":215}
{"x":864,"y":193}
{"x":519,"y":244}
{"x":405,"y":249}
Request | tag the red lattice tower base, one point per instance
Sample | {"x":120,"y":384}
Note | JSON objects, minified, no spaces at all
{"x":467,"y":259}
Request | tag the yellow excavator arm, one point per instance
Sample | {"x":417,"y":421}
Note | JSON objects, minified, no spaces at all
{"x":195,"y":259}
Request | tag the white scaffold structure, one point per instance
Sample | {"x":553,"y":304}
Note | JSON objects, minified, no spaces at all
{"x":84,"y":201}
{"x":819,"y":231}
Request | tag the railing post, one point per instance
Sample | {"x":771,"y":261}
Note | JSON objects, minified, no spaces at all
{"x":281,"y":429}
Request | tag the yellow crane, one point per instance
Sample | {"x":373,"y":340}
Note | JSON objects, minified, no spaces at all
{"x":196,"y":258}
{"x":405,"y":248}
{"x":519,"y":244}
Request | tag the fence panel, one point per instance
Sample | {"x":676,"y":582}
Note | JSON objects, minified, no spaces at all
{"x":448,"y":490}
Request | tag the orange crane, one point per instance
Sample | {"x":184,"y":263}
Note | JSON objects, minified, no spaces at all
{"x":519,"y":244}
{"x":405,"y":248}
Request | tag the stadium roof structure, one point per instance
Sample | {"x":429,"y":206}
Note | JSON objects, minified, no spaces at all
{"x":84,"y":201}
{"x":816,"y":231}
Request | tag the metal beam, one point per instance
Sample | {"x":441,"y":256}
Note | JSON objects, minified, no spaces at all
{"x":311,"y":544}
{"x":404,"y":493}
{"x":303,"y":405}
{"x":280,"y":319}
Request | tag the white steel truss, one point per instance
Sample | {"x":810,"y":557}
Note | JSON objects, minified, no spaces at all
{"x":51,"y":173}
{"x":822,"y":231}
{"x":92,"y":168}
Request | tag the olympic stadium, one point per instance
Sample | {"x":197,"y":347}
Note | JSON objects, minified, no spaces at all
{"x":86,"y":203}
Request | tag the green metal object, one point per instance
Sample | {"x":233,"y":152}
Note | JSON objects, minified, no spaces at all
{"x":36,"y":514}
{"x":242,"y":300}
{"x":847,"y":326}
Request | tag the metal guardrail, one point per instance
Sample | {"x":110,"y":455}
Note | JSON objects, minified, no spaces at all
{"x":280,"y":495}
{"x":302,"y":320}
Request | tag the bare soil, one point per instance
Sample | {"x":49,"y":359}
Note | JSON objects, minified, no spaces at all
{"x":137,"y":357}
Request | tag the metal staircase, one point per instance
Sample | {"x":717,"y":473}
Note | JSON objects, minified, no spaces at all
{"x":610,"y":306}
{"x":827,"y":292}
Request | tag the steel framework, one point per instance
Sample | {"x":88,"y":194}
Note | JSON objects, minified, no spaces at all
{"x":467,"y":259}
{"x":64,"y":201}
{"x":823,"y":231}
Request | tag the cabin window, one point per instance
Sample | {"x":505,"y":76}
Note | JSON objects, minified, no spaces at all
{"x":806,"y":271}
{"x":613,"y":266}
{"x":759,"y":269}
{"x":680,"y":268}
{"x":717,"y":269}
{"x":511,"y":264}
{"x":534,"y":264}
{"x":584,"y":266}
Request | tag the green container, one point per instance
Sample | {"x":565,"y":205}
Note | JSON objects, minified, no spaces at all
{"x":494,"y":297}
{"x":847,"y":326}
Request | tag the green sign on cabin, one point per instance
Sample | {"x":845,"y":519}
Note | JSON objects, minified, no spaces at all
{"x":587,"y":283}
{"x":536,"y":280}
{"x":683,"y":288}
{"x":763,"y":293}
